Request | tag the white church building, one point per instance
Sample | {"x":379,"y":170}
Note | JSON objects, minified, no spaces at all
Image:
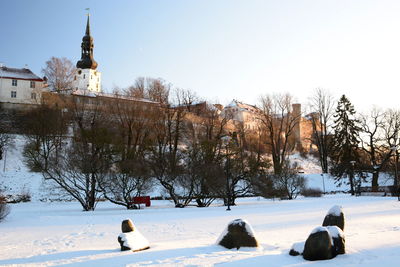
{"x":87,"y":79}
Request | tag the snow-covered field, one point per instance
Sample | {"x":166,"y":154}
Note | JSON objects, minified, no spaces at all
{"x":51,"y":234}
{"x":43,"y":233}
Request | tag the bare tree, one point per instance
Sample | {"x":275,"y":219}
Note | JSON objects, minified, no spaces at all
{"x":322,"y":108}
{"x":204,"y":157}
{"x":392,"y":130}
{"x":288,"y":182}
{"x":5,"y":139}
{"x":158,"y":90}
{"x":78,"y":165}
{"x":45,"y":128}
{"x":60,"y":73}
{"x":165,"y":156}
{"x":138,"y":89}
{"x":279,"y":122}
{"x":189,"y":98}
{"x":373,"y":143}
{"x":129,"y":176}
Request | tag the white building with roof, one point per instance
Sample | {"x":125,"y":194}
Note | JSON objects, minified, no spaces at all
{"x":243,"y":114}
{"x":20,"y":86}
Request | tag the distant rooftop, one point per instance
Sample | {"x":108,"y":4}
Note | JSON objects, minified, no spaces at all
{"x":20,"y":74}
{"x":243,"y":106}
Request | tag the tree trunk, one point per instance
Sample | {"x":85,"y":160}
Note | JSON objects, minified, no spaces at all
{"x":374,"y":185}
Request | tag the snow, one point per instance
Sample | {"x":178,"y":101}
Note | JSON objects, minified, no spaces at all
{"x":15,"y":73}
{"x":335,"y":231}
{"x":335,"y":210}
{"x":134,"y":240}
{"x":298,"y":246}
{"x":57,"y":233}
{"x":319,"y":229}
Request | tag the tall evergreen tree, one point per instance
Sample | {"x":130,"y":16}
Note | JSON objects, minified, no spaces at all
{"x":345,"y":142}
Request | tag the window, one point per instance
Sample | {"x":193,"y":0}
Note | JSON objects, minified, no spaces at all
{"x":13,"y":94}
{"x":32,"y":84}
{"x":33,"y":95}
{"x":84,"y":76}
{"x":14,"y":82}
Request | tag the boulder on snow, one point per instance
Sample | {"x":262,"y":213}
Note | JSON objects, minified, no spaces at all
{"x":338,"y":240}
{"x":318,"y":245}
{"x":127,"y":226}
{"x":131,"y":238}
{"x":334,"y":217}
{"x":297,"y":249}
{"x":238,"y":234}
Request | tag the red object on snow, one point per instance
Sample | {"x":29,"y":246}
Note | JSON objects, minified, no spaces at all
{"x":142,"y":200}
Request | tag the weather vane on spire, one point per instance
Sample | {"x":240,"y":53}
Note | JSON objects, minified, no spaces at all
{"x":87,"y":9}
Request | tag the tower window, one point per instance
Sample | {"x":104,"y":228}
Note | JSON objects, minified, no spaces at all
{"x":13,"y":94}
{"x":84,"y":76}
{"x":32,"y":84}
{"x":14,"y":83}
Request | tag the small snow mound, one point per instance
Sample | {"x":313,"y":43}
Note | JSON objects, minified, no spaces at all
{"x":319,"y":229}
{"x":298,"y":247}
{"x":335,"y":210}
{"x":335,"y":231}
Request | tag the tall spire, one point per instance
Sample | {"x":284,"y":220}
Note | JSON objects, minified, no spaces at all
{"x":88,"y":25}
{"x":87,"y":61}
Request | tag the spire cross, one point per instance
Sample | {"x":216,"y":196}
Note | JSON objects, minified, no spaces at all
{"x":87,"y":9}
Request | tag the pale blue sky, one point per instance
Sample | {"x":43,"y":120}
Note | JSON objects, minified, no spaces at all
{"x":222,"y":49}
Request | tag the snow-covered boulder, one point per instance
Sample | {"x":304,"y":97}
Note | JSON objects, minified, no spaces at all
{"x":338,"y":240}
{"x":237,"y":234}
{"x":335,"y":217}
{"x":297,"y":249}
{"x":131,"y":238}
{"x":318,"y":245}
{"x":127,"y":226}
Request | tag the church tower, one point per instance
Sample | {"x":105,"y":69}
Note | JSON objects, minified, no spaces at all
{"x":87,"y":78}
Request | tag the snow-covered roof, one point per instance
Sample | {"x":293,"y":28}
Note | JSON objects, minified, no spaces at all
{"x":20,"y":74}
{"x":97,"y":94}
{"x":243,"y":106}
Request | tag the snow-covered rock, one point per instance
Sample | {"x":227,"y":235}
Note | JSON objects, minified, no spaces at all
{"x":132,"y":239}
{"x":334,"y":217}
{"x":319,"y":245}
{"x":238,"y":234}
{"x":338,"y":240}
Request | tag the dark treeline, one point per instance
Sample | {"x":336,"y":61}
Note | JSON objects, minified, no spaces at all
{"x":118,"y":147}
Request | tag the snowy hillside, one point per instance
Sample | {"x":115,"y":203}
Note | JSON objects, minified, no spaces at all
{"x":15,"y":178}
